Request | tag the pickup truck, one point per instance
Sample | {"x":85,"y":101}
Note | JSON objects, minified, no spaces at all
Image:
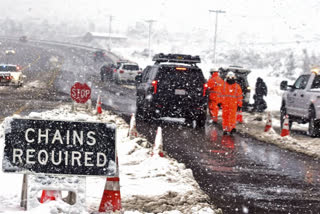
{"x":301,"y":101}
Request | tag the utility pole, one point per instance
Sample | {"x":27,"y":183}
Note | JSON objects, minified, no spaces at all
{"x":109,"y":41}
{"x":150,"y":24}
{"x":215,"y":32}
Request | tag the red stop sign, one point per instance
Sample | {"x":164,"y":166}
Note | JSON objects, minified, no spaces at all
{"x":80,"y":93}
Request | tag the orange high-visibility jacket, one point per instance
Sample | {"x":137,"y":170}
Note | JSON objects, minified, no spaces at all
{"x":231,"y":95}
{"x":215,"y":85}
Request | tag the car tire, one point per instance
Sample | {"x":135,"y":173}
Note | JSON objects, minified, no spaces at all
{"x":314,"y":124}
{"x":283,"y":113}
{"x":201,"y":120}
{"x":139,"y":108}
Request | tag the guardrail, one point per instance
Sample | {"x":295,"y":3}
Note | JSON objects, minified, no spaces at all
{"x":112,"y":56}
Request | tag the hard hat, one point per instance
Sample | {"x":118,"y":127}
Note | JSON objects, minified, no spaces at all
{"x":315,"y":70}
{"x":231,"y":75}
{"x":213,"y":70}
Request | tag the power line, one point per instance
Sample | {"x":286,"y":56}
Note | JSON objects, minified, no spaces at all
{"x":215,"y":32}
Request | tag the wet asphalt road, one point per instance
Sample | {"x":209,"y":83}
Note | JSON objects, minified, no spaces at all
{"x":241,"y":175}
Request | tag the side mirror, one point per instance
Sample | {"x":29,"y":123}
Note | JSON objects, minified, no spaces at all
{"x":284,"y":85}
{"x":138,"y":78}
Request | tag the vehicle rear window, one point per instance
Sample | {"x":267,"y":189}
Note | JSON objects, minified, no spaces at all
{"x":131,"y":67}
{"x":190,"y":77}
{"x":8,"y":68}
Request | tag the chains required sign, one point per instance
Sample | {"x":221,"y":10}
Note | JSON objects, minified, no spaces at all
{"x":59,"y":147}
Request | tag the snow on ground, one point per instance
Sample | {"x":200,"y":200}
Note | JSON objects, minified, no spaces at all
{"x":149,"y":184}
{"x":254,"y":125}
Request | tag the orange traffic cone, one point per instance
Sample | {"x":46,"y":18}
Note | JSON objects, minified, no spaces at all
{"x":133,"y":128}
{"x":111,"y":198}
{"x":50,"y":195}
{"x":99,"y":109}
{"x":285,"y":128}
{"x":239,"y":117}
{"x":269,"y":123}
{"x":158,"y":144}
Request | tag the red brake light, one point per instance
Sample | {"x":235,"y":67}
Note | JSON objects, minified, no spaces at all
{"x":115,"y":70}
{"x":155,"y":86}
{"x":18,"y":68}
{"x":205,"y":87}
{"x":181,"y":69}
{"x":121,"y":71}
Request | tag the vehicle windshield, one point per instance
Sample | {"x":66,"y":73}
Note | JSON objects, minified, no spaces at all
{"x":131,"y":67}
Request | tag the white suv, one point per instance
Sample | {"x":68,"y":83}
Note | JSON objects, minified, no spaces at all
{"x":127,"y":72}
{"x":11,"y":75}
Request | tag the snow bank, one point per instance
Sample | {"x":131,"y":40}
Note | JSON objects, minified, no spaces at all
{"x":148,"y":184}
{"x":299,"y":141}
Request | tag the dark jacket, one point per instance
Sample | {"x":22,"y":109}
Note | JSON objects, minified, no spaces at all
{"x":261,"y":88}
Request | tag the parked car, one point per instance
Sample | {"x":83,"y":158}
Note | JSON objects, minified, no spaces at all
{"x":242,"y":79}
{"x":126,"y":72}
{"x":301,"y":101}
{"x":173,"y":87}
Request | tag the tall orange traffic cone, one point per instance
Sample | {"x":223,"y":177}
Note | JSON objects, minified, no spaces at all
{"x":239,"y":117}
{"x":50,"y":195}
{"x":285,"y":128}
{"x":158,"y":144}
{"x":111,"y":198}
{"x":99,"y":109}
{"x":269,"y":123}
{"x":133,"y":128}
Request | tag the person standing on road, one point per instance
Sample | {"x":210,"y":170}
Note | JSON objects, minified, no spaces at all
{"x":215,"y":84}
{"x":231,"y":98}
{"x":261,"y":90}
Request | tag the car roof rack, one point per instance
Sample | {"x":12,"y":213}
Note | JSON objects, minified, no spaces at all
{"x":180,"y":58}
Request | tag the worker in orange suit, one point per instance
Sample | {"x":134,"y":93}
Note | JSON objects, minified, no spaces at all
{"x":215,"y":84}
{"x":231,"y":99}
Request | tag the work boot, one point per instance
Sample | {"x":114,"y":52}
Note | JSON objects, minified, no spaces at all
{"x":233,"y":131}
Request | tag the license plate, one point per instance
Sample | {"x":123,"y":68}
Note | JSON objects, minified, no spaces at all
{"x":180,"y":92}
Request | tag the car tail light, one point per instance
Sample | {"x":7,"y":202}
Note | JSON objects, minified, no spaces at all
{"x":18,"y":68}
{"x":121,"y":71}
{"x":205,"y":87}
{"x":181,"y":69}
{"x":155,"y":86}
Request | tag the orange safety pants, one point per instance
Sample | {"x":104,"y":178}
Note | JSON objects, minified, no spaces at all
{"x":229,"y":116}
{"x":214,"y":110}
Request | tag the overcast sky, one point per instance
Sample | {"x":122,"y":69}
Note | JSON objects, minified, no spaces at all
{"x":263,"y":19}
